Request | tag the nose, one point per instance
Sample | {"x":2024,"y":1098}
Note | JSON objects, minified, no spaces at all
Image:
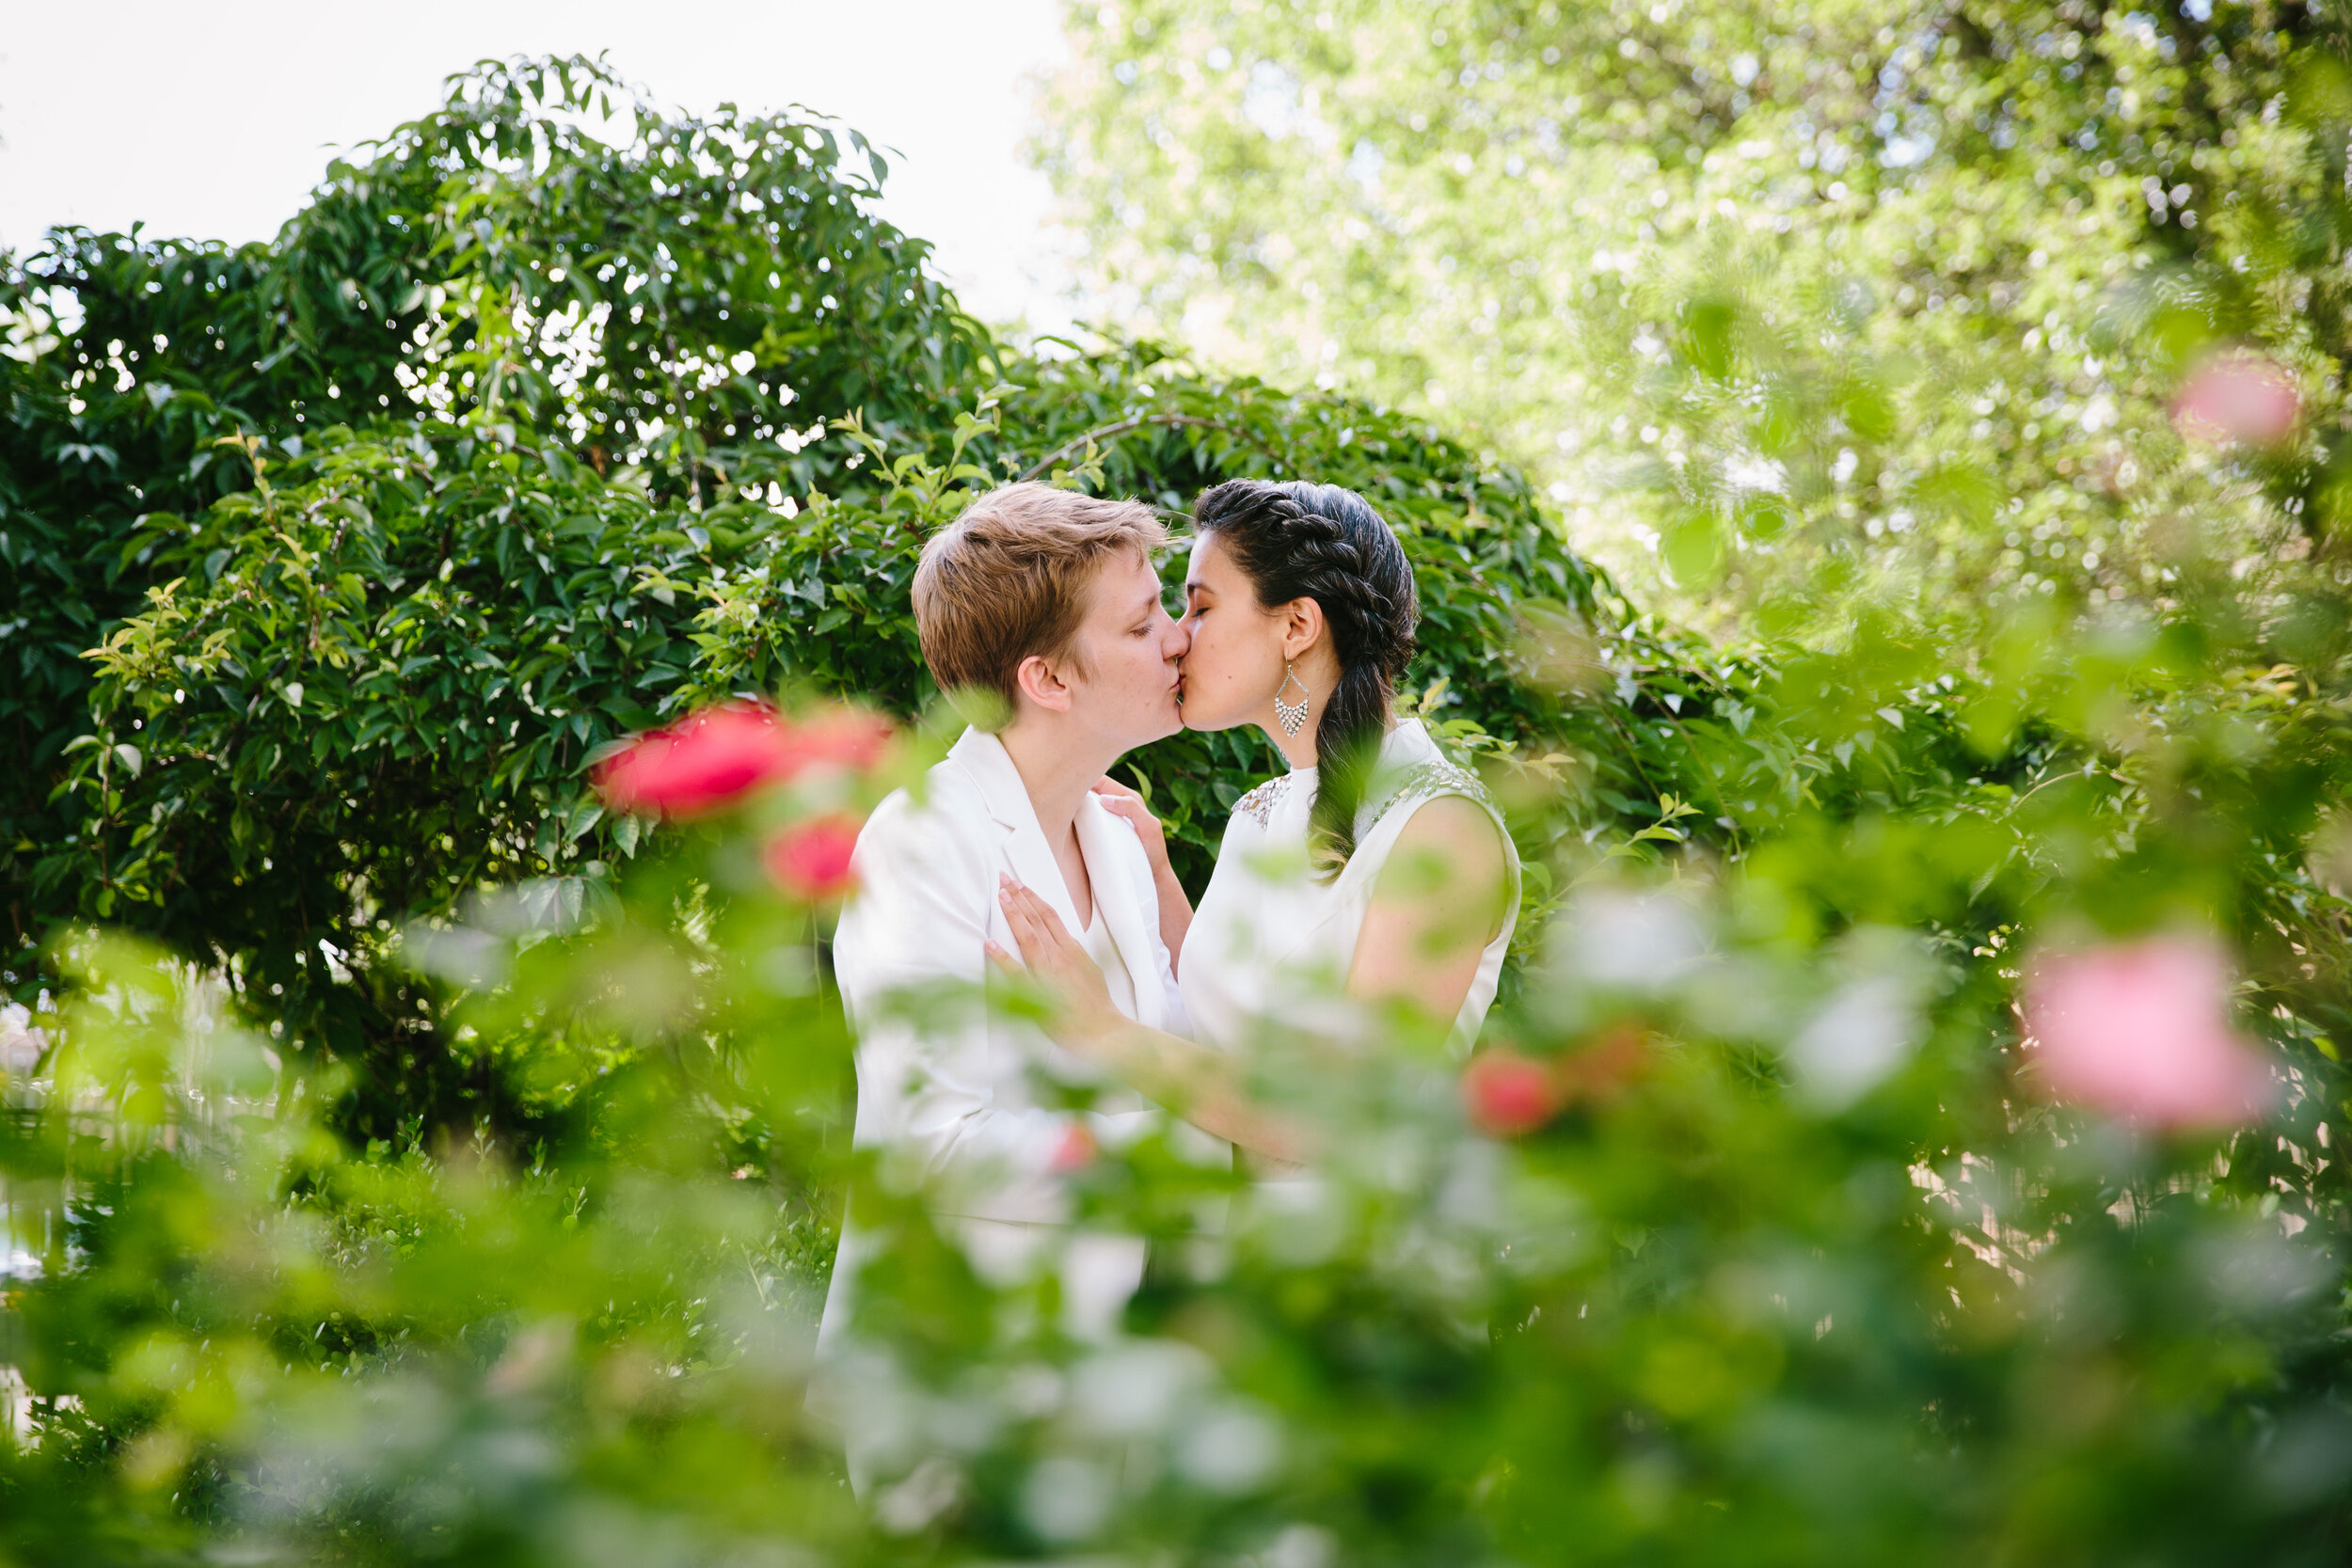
{"x":1179,"y":640}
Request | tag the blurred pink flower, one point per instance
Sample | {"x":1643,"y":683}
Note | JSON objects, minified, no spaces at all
{"x":1075,"y":1150}
{"x":812,"y":860}
{"x":2237,"y":396}
{"x":711,"y":758}
{"x":701,"y":763}
{"x":1508,"y":1094}
{"x":847,"y":737}
{"x":2141,"y":1031}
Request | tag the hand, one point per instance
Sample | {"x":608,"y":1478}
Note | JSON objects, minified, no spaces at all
{"x":1056,"y":962}
{"x":1123,"y":801}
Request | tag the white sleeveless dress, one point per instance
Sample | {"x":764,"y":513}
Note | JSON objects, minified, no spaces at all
{"x":1270,"y":944}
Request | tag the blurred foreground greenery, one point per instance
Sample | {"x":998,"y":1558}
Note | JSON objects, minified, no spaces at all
{"x":1793,"y":1258}
{"x":419,"y":1160}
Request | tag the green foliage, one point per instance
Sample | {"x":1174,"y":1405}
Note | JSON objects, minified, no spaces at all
{"x":456,"y":1179}
{"x":1788,"y":306}
{"x":545,"y":260}
{"x":359,"y":624}
{"x":1810,"y":1269}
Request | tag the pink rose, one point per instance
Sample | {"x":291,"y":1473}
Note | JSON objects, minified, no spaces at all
{"x":812,"y":860}
{"x":1508,"y":1094}
{"x":2238,"y":396}
{"x":2141,"y":1031}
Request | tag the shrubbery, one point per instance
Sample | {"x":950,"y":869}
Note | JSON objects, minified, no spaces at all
{"x":441,"y":571}
{"x":454,"y":1177}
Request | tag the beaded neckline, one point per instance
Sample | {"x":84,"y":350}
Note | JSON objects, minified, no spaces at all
{"x":1258,"y":805}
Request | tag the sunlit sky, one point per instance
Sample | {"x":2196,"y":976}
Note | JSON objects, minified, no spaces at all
{"x":215,"y":120}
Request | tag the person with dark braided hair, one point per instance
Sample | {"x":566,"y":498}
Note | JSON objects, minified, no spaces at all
{"x":1376,"y":868}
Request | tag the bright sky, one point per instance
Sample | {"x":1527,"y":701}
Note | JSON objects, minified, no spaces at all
{"x":213,"y":120}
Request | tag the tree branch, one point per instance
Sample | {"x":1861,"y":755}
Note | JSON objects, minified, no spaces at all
{"x":1105,"y":433}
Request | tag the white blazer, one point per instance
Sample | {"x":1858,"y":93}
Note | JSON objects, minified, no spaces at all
{"x":947,"y":1095}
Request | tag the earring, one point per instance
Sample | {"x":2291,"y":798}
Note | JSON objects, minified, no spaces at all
{"x":1293,"y":715}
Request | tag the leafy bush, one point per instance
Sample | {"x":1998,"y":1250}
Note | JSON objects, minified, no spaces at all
{"x":1799,"y":1256}
{"x":498,"y":255}
{"x":375,"y":574}
{"x":456,"y":1177}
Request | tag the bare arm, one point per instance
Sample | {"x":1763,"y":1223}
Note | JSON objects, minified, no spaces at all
{"x":1439,"y":900}
{"x":1196,"y":1082}
{"x":1175,"y":908}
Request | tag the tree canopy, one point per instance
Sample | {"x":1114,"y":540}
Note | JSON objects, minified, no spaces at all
{"x":1789,"y":307}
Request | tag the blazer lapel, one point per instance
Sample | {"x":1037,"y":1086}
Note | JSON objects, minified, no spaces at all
{"x":984,"y":757}
{"x":1122,"y":910}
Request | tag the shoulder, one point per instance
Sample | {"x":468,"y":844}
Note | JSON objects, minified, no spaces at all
{"x":1430,"y":776}
{"x":1437,"y":806}
{"x":1257,"y":807}
{"x":1454,"y":822}
{"x":949,"y":823}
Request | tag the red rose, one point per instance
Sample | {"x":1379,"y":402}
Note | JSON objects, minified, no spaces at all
{"x":1508,"y":1094}
{"x":712,"y":758}
{"x":811,"y":859}
{"x":700,"y":763}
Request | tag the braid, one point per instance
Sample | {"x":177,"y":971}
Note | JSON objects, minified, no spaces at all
{"x":1319,"y":542}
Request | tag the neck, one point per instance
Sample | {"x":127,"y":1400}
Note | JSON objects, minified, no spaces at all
{"x":1057,"y":767}
{"x":1299,"y":749}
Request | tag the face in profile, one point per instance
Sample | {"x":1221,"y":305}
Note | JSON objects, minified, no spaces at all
{"x":1124,"y":666}
{"x":1235,"y":659}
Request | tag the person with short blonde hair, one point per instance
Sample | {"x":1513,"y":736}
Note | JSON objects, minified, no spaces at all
{"x":1007,"y":580}
{"x":1049,"y":603}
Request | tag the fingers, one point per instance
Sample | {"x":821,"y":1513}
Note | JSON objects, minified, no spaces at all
{"x":1003,"y":959}
{"x":1043,"y":912}
{"x":1112,"y":791}
{"x":1035,"y":925}
{"x":1027,"y":931}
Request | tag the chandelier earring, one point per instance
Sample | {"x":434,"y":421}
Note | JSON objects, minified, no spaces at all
{"x":1293,"y":716}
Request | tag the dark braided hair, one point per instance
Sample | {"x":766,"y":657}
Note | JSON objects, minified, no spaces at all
{"x":1300,"y":541}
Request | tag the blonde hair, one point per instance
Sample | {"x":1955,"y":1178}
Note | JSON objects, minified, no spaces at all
{"x":1006,"y":580}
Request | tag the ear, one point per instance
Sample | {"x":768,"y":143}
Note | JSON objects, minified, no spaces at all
{"x":1302,"y":627}
{"x":1041,"y":684}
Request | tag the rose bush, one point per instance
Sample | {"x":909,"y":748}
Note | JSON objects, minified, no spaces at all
{"x":1875,"y":1172}
{"x":1761,"y":1243}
